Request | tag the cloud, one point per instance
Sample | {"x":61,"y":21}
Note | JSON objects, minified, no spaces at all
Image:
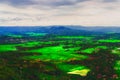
{"x":110,"y":0}
{"x":17,"y":2}
{"x":49,"y":3}
{"x":63,"y":12}
{"x":58,"y":3}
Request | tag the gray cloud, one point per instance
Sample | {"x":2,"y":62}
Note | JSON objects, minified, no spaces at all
{"x":56,"y":3}
{"x":48,"y":3}
{"x":110,"y":0}
{"x":66,"y":2}
{"x":47,"y":12}
{"x":10,"y":19}
{"x":14,"y":13}
{"x":17,"y":2}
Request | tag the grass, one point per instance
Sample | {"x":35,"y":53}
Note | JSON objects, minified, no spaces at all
{"x":29,"y":44}
{"x":116,"y":51}
{"x":91,"y":50}
{"x":12,"y":47}
{"x":82,"y":72}
{"x":5,"y":48}
{"x":62,"y":58}
{"x":56,"y":53}
{"x":69,"y":67}
{"x":61,"y":55}
{"x":75,"y":37}
{"x":117,"y":67}
{"x":74,"y":69}
{"x":109,"y":41}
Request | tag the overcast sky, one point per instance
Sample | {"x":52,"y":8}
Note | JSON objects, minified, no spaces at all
{"x":60,"y":12}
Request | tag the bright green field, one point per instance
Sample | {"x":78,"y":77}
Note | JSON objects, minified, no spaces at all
{"x":74,"y":69}
{"x":116,"y":51}
{"x":75,"y":37}
{"x":56,"y":53}
{"x":4,"y":48}
{"x":12,"y":47}
{"x":117,"y":67}
{"x":91,"y":50}
{"x":29,"y":44}
{"x":110,"y":41}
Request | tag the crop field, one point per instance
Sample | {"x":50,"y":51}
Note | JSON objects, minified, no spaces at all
{"x":40,"y":56}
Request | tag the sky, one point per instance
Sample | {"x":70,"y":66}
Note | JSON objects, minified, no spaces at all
{"x":59,"y":12}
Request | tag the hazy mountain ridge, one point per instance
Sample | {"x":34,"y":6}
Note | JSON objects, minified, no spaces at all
{"x":59,"y":30}
{"x":105,"y":29}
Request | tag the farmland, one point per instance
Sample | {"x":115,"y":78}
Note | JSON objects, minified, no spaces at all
{"x":42,"y":56}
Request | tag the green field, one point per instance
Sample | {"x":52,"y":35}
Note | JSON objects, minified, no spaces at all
{"x":60,"y":57}
{"x":56,"y":53}
{"x":110,"y":41}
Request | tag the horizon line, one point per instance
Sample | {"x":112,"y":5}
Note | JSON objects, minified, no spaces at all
{"x":51,"y":25}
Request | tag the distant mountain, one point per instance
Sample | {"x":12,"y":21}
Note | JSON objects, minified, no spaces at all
{"x":59,"y":30}
{"x":65,"y":30}
{"x":105,"y":29}
{"x":5,"y":30}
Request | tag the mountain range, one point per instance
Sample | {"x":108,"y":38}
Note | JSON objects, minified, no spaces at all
{"x":59,"y":30}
